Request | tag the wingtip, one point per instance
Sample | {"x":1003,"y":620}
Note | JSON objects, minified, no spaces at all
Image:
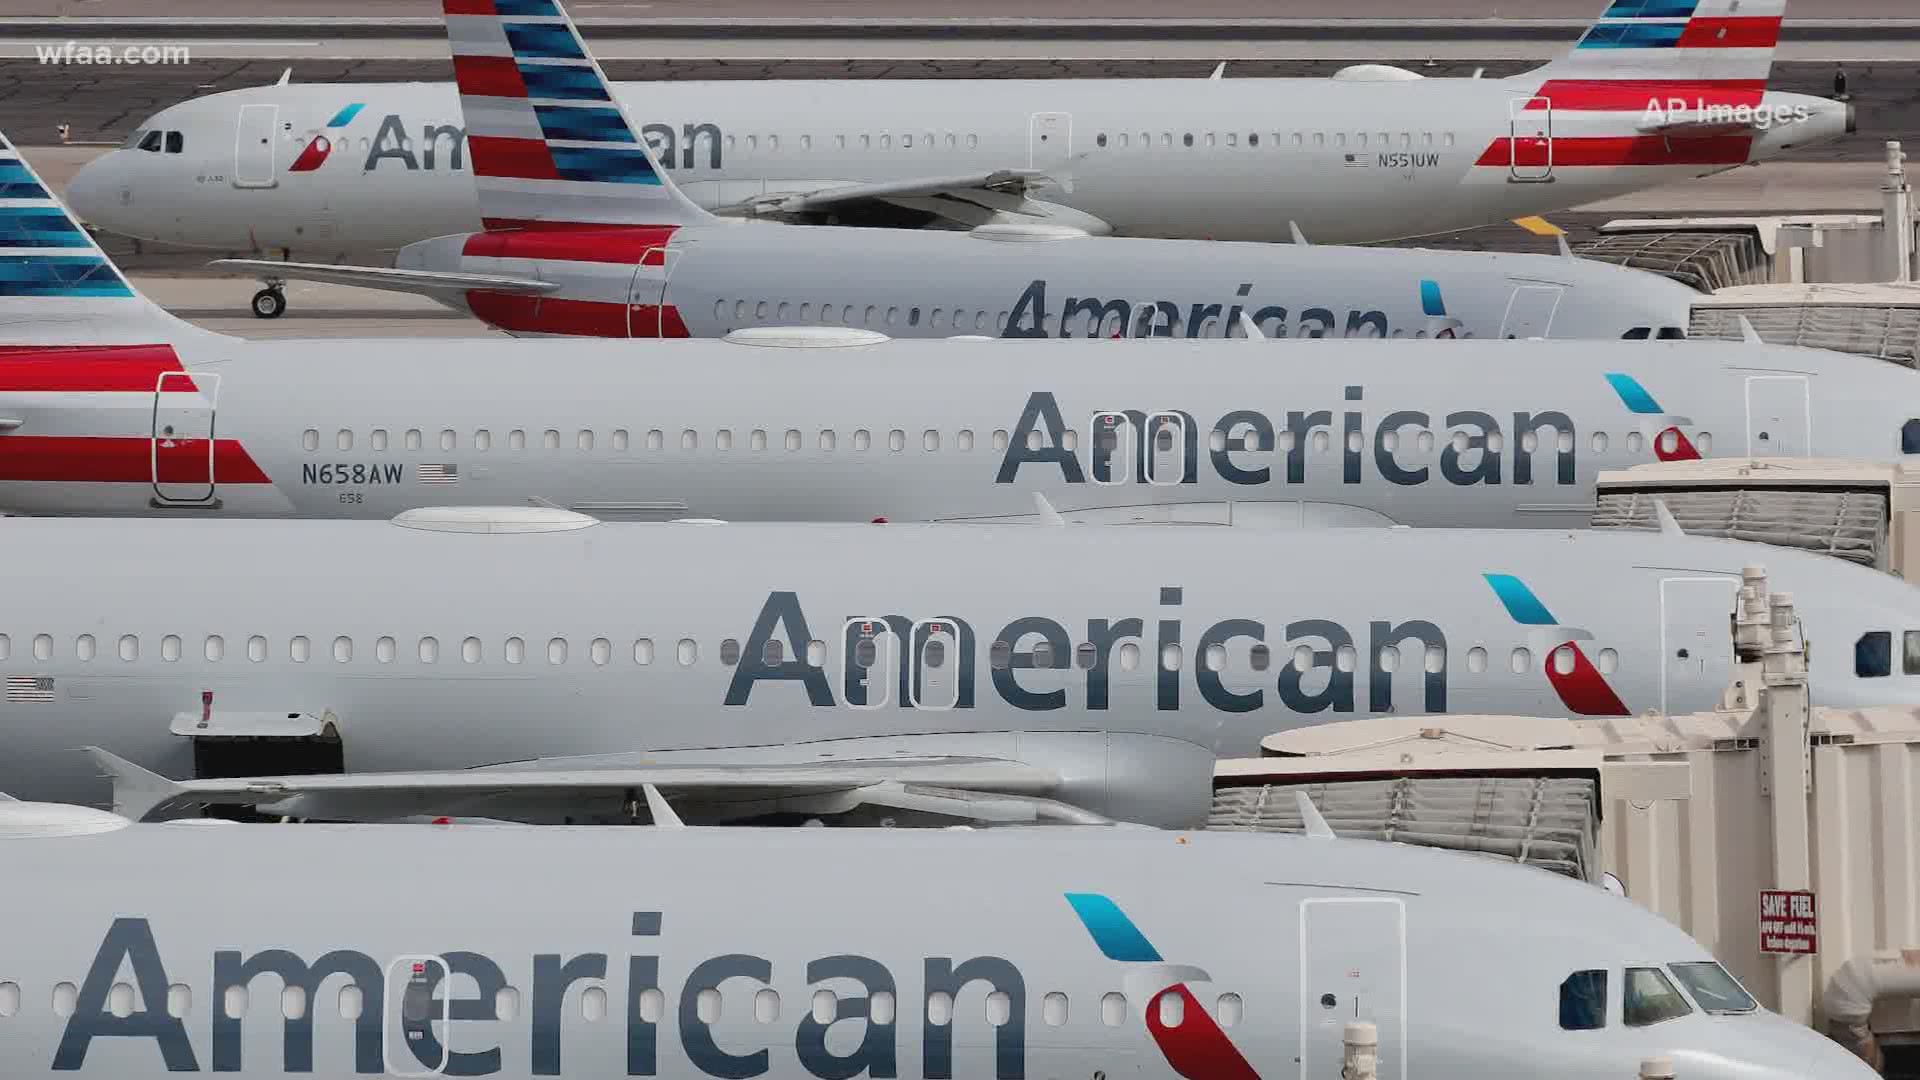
{"x":136,"y":791}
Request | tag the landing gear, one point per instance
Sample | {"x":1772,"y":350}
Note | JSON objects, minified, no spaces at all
{"x":269,"y":303}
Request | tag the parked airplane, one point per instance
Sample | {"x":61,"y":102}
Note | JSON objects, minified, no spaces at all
{"x":589,"y":235}
{"x":154,"y":950}
{"x":752,"y":669}
{"x":1650,"y":95}
{"x":110,"y":406}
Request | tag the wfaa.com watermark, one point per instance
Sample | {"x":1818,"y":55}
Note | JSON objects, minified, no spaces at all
{"x":81,"y":54}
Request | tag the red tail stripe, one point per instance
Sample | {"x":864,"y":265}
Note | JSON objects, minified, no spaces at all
{"x":626,"y":246}
{"x":88,"y":368}
{"x":122,"y":460}
{"x":1614,"y":150}
{"x":1634,"y":95}
{"x":523,"y":159}
{"x":1731,"y":32}
{"x":488,"y":76}
{"x":578,"y":318}
{"x":468,"y":7}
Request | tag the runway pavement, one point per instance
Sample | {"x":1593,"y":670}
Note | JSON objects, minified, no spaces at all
{"x":878,"y":9}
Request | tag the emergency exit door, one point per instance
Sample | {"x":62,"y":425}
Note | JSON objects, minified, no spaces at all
{"x":1529,"y":140}
{"x":1354,"y":967}
{"x":253,"y":141}
{"x":1530,"y":311}
{"x":1050,"y":145}
{"x":417,"y":999}
{"x":182,"y":448}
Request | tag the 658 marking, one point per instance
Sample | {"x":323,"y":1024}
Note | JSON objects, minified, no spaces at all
{"x":359,"y":474}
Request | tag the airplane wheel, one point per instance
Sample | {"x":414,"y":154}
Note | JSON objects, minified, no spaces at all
{"x":269,"y":304}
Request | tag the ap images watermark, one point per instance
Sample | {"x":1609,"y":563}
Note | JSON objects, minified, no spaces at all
{"x":83,"y":55}
{"x":1700,"y":111}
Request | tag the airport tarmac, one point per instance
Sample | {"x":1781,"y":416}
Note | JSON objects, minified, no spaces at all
{"x":1107,"y":10}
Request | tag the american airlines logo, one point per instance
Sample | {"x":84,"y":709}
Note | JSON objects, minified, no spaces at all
{"x":1249,"y":448}
{"x":442,"y":146}
{"x":1090,"y":316}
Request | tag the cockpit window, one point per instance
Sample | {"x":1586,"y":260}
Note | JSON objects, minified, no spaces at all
{"x":175,"y":142}
{"x":1638,"y":333}
{"x":1650,"y":998}
{"x":1873,"y":654}
{"x":1910,"y":437}
{"x":1712,"y":988}
{"x":1672,"y":333}
{"x":1583,"y":1001}
{"x":151,"y":144}
{"x":133,"y":139}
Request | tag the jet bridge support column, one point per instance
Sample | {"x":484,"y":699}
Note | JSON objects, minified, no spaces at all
{"x":1786,"y":764}
{"x":1896,"y":216}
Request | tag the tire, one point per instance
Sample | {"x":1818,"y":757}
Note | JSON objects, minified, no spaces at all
{"x":269,"y":304}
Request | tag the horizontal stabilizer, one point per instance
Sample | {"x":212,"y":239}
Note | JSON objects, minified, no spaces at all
{"x":435,"y":283}
{"x":1002,"y":182}
{"x":926,"y":783}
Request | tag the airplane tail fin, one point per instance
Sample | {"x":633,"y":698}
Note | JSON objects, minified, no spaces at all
{"x":549,"y":144}
{"x":1655,"y":50}
{"x":56,"y":286}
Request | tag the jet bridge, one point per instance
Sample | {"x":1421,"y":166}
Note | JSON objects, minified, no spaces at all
{"x":1693,"y":816}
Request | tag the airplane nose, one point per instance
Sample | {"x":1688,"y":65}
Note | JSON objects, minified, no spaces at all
{"x":95,"y":190}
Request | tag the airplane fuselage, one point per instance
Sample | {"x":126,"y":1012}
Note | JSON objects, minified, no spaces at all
{"x":1234,"y":159}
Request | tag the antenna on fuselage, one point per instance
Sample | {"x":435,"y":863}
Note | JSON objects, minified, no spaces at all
{"x":285,"y":77}
{"x":1663,"y":517}
{"x":1219,"y":70}
{"x":1747,"y":333}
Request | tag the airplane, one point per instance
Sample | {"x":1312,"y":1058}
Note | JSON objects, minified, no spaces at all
{"x":154,"y":950}
{"x":608,"y":246}
{"x":1649,"y":95}
{"x":530,"y":663}
{"x":108,"y":405}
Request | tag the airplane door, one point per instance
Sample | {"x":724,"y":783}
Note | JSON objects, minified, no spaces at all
{"x":1355,"y":968}
{"x":182,"y":446}
{"x":1168,"y":434}
{"x":936,"y":664}
{"x":1696,"y":641}
{"x":1529,"y":140}
{"x":1778,"y":424}
{"x":647,"y":295}
{"x":1111,"y":447}
{"x":1050,"y":145}
{"x":254,"y":138}
{"x":415,"y":1002}
{"x":1530,"y":311}
{"x":869,"y":662}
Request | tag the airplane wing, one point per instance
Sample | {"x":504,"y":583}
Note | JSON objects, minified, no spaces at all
{"x":968,"y":200}
{"x":433,"y":283}
{"x":963,"y":788}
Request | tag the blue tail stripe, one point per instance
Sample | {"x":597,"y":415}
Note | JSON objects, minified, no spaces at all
{"x":1112,"y":931}
{"x":59,"y":275}
{"x":1632,"y":36}
{"x":21,"y":189}
{"x":603,"y":165}
{"x":543,"y":41}
{"x":1633,"y":395}
{"x":526,"y":8}
{"x":1521,"y":604}
{"x":1430,"y":302}
{"x":561,"y":83}
{"x":583,"y":123}
{"x":35,"y":226}
{"x":1651,"y":9}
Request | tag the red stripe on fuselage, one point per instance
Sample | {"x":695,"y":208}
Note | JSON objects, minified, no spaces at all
{"x":1616,"y":150}
{"x":1731,"y":32}
{"x":1637,"y":95}
{"x":519,"y":159}
{"x":468,"y":7}
{"x":123,"y":460}
{"x":577,"y":318}
{"x":89,"y":368}
{"x":643,"y":244}
{"x":488,"y":76}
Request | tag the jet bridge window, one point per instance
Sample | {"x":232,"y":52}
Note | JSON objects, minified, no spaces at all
{"x":1873,"y":655}
{"x":1583,"y":1001}
{"x":1650,"y":998}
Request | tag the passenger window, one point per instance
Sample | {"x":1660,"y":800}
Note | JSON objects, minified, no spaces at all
{"x":643,"y":651}
{"x":550,"y":439}
{"x":344,"y":440}
{"x":517,"y":439}
{"x":656,"y":439}
{"x":584,"y":440}
{"x":827,"y":440}
{"x":429,"y":651}
{"x":688,"y":652}
{"x":1000,"y":655}
{"x":689,"y":439}
{"x":600,"y":651}
{"x":1085,"y":655}
{"x":257,"y":649}
{"x":1873,"y":655}
{"x":620,"y":439}
{"x":516,"y":650}
{"x":129,"y":647}
{"x":723,"y":439}
{"x":793,"y":440}
{"x":1522,"y":660}
{"x":470,"y":651}
{"x":757,"y":439}
{"x":1583,"y":1001}
{"x":730,"y":651}
{"x":1649,"y":998}
{"x":83,"y":647}
{"x":310,"y":439}
{"x":774,"y":652}
{"x":1170,"y":657}
{"x":862,"y":439}
{"x":964,"y":439}
{"x":557,"y":650}
{"x":448,"y":440}
{"x":896,"y":440}
{"x":930,"y":439}
{"x":170,"y":648}
{"x":1113,"y":1009}
{"x":1476,"y":659}
{"x":413,"y":438}
{"x":482,"y":439}
{"x":300,"y":649}
{"x":378,"y":437}
{"x":384,"y":650}
{"x":1229,"y":1007}
{"x":216,"y":647}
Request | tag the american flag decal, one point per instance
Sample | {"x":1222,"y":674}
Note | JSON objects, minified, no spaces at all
{"x":437,"y":474}
{"x":29,"y":688}
{"x":1356,"y":161}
